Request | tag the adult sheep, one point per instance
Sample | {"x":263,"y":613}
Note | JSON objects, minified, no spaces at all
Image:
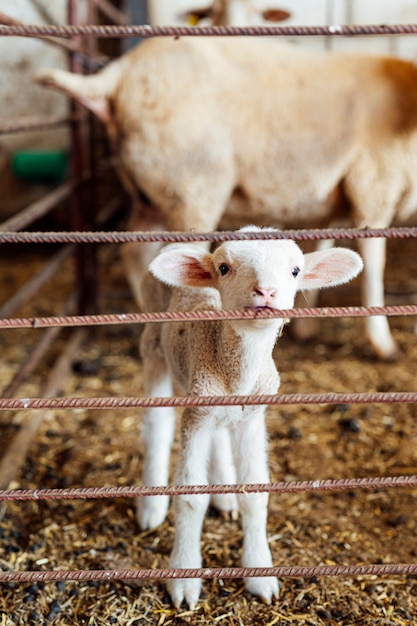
{"x":219,"y":132}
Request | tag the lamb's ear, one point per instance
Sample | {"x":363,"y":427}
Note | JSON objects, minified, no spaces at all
{"x":327,"y":268}
{"x":182,"y":267}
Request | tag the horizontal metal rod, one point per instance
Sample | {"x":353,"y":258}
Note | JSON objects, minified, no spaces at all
{"x":145,"y":30}
{"x":378,"y":397}
{"x":101,"y":493}
{"x":394,"y":569}
{"x":189,"y":316}
{"x":304,"y":234}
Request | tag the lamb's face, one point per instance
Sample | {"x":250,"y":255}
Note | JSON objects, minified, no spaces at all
{"x":258,"y":274}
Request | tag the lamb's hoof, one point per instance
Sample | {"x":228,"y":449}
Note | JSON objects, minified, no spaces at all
{"x":390,"y":355}
{"x":187,"y":589}
{"x":267,"y":589}
{"x":151,"y":511}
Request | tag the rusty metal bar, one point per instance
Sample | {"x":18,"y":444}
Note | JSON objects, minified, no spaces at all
{"x":145,"y":30}
{"x":111,"y":403}
{"x":188,"y":316}
{"x":379,"y":569}
{"x":303,"y":234}
{"x":305,"y":486}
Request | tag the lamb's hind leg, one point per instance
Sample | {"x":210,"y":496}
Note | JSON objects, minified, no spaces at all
{"x":158,"y":427}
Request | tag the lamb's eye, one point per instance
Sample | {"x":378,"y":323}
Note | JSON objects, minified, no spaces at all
{"x":295,"y":271}
{"x":224,"y":269}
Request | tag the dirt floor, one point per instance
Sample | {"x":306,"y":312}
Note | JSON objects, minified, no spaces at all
{"x":96,"y":448}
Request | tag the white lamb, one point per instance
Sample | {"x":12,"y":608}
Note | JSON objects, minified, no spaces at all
{"x":221,"y":358}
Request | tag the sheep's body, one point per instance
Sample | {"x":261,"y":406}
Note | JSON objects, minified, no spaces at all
{"x":219,"y":131}
{"x":222,"y":358}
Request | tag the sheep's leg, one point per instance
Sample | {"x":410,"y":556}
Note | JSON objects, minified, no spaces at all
{"x":374,"y":195}
{"x":190,"y":509}
{"x":222,"y":471}
{"x":249,"y":446}
{"x":377,"y":327}
{"x":158,"y":427}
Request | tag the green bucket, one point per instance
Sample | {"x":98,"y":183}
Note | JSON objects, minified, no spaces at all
{"x":40,"y":166}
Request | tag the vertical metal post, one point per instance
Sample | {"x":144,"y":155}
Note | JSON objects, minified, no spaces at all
{"x":77,"y":163}
{"x":91,"y":257}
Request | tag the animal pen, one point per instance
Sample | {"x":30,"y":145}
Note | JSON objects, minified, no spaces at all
{"x":343,"y":459}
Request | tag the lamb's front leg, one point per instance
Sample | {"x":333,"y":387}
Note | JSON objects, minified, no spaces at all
{"x":196,"y":437}
{"x":249,"y":438}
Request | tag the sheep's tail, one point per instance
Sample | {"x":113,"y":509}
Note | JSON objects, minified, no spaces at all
{"x":93,"y":91}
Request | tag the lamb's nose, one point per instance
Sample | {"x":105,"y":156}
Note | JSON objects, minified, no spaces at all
{"x":264,"y":294}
